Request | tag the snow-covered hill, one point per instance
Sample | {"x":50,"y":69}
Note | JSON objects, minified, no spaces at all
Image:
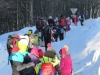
{"x":83,"y":42}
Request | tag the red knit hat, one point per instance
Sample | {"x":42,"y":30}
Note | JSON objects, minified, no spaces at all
{"x":62,"y":51}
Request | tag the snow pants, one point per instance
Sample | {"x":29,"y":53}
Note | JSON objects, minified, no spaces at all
{"x":61,"y":36}
{"x":14,"y":65}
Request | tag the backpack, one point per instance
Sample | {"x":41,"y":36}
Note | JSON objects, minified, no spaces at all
{"x":12,"y":42}
{"x":62,"y":22}
{"x":47,"y":69}
{"x":47,"y":31}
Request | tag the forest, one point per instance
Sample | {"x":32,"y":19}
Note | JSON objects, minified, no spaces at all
{"x":17,"y":14}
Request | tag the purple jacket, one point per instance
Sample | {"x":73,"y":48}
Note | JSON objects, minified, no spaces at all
{"x":34,"y":59}
{"x":66,"y":64}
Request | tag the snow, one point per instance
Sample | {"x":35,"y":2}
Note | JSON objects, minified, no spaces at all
{"x":83,"y":42}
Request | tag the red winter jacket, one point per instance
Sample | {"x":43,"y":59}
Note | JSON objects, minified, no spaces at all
{"x":66,"y":65}
{"x":62,"y":22}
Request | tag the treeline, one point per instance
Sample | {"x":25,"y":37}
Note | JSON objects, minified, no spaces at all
{"x":16,"y":14}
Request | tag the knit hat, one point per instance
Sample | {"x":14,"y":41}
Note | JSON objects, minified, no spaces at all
{"x":50,"y":17}
{"x":24,"y":40}
{"x":35,"y":52}
{"x":27,"y":59}
{"x":66,"y":47}
{"x":62,"y":51}
{"x":49,"y":45}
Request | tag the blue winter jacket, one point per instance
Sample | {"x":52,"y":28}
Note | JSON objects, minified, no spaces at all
{"x":19,"y":57}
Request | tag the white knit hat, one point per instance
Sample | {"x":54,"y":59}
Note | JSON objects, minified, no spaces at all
{"x":24,"y":40}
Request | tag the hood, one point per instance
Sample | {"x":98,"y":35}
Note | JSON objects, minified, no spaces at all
{"x":24,"y":66}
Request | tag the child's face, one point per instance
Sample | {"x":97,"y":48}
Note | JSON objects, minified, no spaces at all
{"x":32,"y":40}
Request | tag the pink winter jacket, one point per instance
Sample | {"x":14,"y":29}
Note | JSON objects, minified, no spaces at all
{"x":66,"y":64}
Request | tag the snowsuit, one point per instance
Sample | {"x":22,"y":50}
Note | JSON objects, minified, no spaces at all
{"x":66,"y":65}
{"x":81,"y":18}
{"x":62,"y":22}
{"x":75,"y":19}
{"x":68,"y":23}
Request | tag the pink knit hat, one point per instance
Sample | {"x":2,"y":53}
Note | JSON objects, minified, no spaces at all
{"x":35,"y":52}
{"x":49,"y":45}
{"x":63,"y":51}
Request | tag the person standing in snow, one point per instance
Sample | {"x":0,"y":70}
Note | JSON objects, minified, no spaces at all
{"x":68,"y":23}
{"x":56,"y":20}
{"x":81,"y":18}
{"x":66,"y":62}
{"x":62,"y":23}
{"x":46,"y":32}
{"x":75,"y":20}
{"x":55,"y":33}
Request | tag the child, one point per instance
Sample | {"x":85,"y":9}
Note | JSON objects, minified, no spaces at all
{"x":66,"y":62}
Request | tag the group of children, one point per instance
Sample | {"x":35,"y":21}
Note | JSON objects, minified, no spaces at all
{"x":27,"y":58}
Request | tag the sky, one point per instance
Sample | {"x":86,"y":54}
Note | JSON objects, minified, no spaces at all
{"x":83,"y":43}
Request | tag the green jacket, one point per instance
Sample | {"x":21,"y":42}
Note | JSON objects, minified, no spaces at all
{"x":45,"y":59}
{"x":36,"y":40}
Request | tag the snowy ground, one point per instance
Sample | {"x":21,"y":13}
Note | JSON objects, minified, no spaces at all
{"x":83,"y":42}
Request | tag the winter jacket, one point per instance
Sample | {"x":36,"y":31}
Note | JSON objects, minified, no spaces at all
{"x":39,"y":24}
{"x":19,"y":57}
{"x":42,"y":60}
{"x":26,"y":69}
{"x":34,"y":59}
{"x":23,"y":43}
{"x":45,"y":59}
{"x":36,"y":40}
{"x":62,"y":21}
{"x":51,"y":22}
{"x":75,"y":20}
{"x":68,"y":22}
{"x":66,"y":65}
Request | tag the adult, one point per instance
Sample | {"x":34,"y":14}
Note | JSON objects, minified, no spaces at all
{"x":46,"y":34}
{"x":81,"y":18}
